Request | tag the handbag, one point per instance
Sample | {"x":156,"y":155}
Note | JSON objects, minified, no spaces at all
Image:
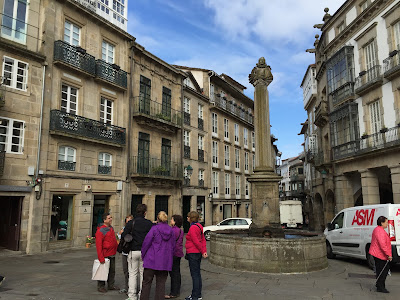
{"x":125,"y":243}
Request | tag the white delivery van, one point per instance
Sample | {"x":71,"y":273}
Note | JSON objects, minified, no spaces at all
{"x":291,"y":213}
{"x":350,"y":232}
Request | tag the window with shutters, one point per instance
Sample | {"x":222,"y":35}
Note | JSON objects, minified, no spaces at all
{"x":245,"y":137}
{"x":370,"y":60}
{"x":227,"y":185}
{"x":247,"y":190}
{"x":107,"y":52}
{"x":237,"y":159}
{"x":15,"y":73}
{"x":14,"y":23}
{"x":69,"y":99}
{"x":143,"y":163}
{"x":214,"y":123}
{"x":66,"y":158}
{"x":236,"y":133}
{"x":396,"y":33}
{"x":72,"y":33}
{"x":312,"y":144}
{"x":212,"y":91}
{"x":200,"y":112}
{"x":186,"y":138}
{"x":144,"y":95}
{"x":106,"y":111}
{"x":375,"y":116}
{"x":253,"y":140}
{"x":226,"y":147}
{"x":215,"y":184}
{"x":246,"y":162}
{"x":226,"y":129}
{"x":11,"y":135}
{"x":200,"y":142}
{"x":215,"y":153}
{"x":105,"y":163}
{"x":237,"y":185}
{"x":186,"y":105}
{"x":166,"y":102}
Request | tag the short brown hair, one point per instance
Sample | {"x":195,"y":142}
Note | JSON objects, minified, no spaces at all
{"x":128,"y":217}
{"x":141,"y":209}
{"x":178,"y":220}
{"x":193,"y":216}
{"x":162,"y":216}
{"x":105,"y":215}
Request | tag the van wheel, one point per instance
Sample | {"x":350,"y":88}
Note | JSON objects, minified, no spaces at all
{"x":370,"y":259}
{"x":329,"y":253}
{"x":207,"y":235}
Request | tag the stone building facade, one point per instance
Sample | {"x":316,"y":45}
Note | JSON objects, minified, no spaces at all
{"x":356,"y":109}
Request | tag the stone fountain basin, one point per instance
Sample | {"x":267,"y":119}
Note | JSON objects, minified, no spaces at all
{"x":297,"y":253}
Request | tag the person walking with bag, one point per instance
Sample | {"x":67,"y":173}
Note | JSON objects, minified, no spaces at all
{"x":381,"y":250}
{"x":175,"y":274}
{"x":157,"y":253}
{"x":196,"y":249}
{"x":106,"y":246}
{"x":138,"y":228}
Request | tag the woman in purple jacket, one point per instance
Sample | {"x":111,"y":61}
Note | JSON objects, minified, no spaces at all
{"x":176,"y":223}
{"x":157,"y":255}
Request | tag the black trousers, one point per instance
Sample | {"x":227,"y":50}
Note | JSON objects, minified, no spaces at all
{"x":380,"y":267}
{"x":176,"y":276}
{"x":161,"y":278}
{"x":111,"y":275}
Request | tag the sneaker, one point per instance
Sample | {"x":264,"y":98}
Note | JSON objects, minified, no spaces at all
{"x":191,"y":298}
{"x":2,"y":279}
{"x":123,"y":291}
{"x":102,"y":290}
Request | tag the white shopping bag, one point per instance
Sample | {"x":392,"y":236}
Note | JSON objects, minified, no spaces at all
{"x":100,"y":271}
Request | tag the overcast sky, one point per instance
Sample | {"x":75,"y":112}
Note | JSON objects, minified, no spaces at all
{"x":228,"y":36}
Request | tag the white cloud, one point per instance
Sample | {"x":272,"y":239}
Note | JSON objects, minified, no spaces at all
{"x":283,"y":20}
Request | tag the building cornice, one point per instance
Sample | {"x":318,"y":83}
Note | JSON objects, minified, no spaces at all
{"x":21,"y":50}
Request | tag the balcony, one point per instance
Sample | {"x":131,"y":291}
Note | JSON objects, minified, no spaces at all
{"x":321,"y":114}
{"x":153,"y":114}
{"x":106,"y":170}
{"x":186,"y":151}
{"x":66,"y":165}
{"x":2,"y":161}
{"x":310,"y":155}
{"x":232,"y":108}
{"x":186,"y":181}
{"x":111,"y":74}
{"x":319,"y":159}
{"x":200,"y":124}
{"x":368,"y":80}
{"x":385,"y":139}
{"x":391,"y":67}
{"x":343,"y":93}
{"x":186,"y":118}
{"x":145,"y":168}
{"x":200,"y":155}
{"x":74,"y":57}
{"x":62,"y":123}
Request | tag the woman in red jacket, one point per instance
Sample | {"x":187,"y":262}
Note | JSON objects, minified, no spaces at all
{"x":196,"y":249}
{"x":381,"y":250}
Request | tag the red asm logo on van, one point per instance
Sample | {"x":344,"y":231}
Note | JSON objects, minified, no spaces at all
{"x":364,"y":217}
{"x":398,"y":212}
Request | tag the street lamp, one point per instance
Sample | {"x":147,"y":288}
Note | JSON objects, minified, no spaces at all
{"x":189,"y":170}
{"x":210,"y":197}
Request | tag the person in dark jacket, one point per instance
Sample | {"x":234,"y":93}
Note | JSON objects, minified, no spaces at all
{"x":139,"y":227}
{"x":157,"y":254}
{"x":106,"y":246}
{"x":175,"y":274}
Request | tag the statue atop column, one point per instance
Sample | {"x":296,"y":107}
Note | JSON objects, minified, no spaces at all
{"x":264,"y":181}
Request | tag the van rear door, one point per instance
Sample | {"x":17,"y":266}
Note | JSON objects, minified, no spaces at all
{"x":396,"y":214}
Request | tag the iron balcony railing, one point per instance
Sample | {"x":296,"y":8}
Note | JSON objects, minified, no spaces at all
{"x":229,"y":106}
{"x":111,"y":73}
{"x":200,"y":123}
{"x":367,"y":143}
{"x":145,"y":106}
{"x":186,"y":181}
{"x":75,"y":57}
{"x":66,"y":165}
{"x":310,"y":155}
{"x":104,"y":169}
{"x":367,"y":78}
{"x":186,"y":118}
{"x":201,"y":182}
{"x":186,"y":151}
{"x":344,"y":92}
{"x":392,"y":63}
{"x":319,"y":158}
{"x":2,"y":160}
{"x":147,"y":166}
{"x":86,"y":128}
{"x":200,"y":155}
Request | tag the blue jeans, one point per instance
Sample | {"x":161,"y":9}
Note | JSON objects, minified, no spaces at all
{"x":194,"y":266}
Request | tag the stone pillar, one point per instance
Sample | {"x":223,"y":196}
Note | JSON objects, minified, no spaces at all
{"x":264,"y":182}
{"x":370,"y":187}
{"x":343,"y":192}
{"x":395,"y":173}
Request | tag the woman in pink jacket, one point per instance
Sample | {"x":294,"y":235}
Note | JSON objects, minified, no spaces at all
{"x":381,"y":250}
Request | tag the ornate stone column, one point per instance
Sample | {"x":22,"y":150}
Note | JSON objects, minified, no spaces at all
{"x":264,"y":181}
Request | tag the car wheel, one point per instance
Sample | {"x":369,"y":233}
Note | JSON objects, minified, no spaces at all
{"x":370,"y":259}
{"x":329,"y":252}
{"x":207,"y":235}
